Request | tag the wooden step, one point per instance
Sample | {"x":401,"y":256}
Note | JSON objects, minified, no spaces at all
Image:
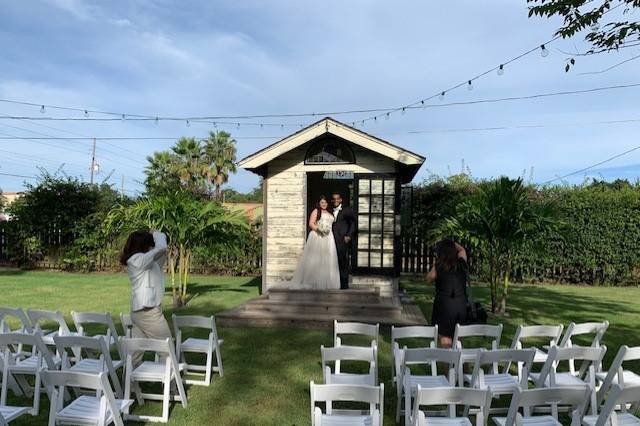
{"x":325,"y":296}
{"x":326,"y":308}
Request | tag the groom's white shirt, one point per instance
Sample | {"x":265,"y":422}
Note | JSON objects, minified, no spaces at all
{"x":336,"y":210}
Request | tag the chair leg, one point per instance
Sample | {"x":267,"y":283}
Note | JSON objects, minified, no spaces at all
{"x":207,"y":374}
{"x":219,"y":361}
{"x":36,"y":394}
{"x":407,"y":406}
{"x":166,"y":387}
{"x":398,"y":403}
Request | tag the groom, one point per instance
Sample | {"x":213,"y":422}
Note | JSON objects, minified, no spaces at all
{"x":344,"y":226}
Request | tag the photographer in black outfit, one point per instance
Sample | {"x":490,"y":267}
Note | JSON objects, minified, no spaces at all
{"x":450,"y":276}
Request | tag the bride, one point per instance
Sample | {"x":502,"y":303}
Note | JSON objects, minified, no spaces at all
{"x":318,"y":265}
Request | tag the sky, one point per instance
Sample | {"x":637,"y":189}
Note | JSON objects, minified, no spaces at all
{"x":225,"y":58}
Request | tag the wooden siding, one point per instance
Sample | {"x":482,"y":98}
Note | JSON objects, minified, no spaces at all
{"x":285,"y":200}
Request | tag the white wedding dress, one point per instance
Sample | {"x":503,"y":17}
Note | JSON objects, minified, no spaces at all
{"x":318,"y":266}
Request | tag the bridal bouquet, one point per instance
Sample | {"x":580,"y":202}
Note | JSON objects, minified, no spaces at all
{"x":324,"y":227}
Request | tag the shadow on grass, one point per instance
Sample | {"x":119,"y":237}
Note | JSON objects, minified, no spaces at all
{"x":10,"y":271}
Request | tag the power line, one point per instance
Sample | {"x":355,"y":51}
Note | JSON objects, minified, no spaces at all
{"x":18,"y":176}
{"x":593,"y":165}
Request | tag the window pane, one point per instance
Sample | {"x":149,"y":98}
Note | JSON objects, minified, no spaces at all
{"x":389,"y":186}
{"x":363,"y":204}
{"x":387,"y":260}
{"x":363,"y":222}
{"x":376,"y":204}
{"x":387,"y":242}
{"x":376,"y":186}
{"x":363,"y":186}
{"x":389,"y":222}
{"x":376,"y":224}
{"x":376,"y":242}
{"x":389,"y":204}
{"x":376,"y":260}
{"x":363,"y":258}
{"x":363,"y":241}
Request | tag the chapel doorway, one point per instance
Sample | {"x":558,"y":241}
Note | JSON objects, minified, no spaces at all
{"x":326,"y":183}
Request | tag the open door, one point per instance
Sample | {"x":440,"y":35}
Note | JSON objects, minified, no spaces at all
{"x":377,"y":211}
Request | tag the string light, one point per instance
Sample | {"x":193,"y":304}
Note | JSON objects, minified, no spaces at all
{"x":469,"y":85}
{"x":404,"y":110}
{"x":123,"y":117}
{"x":42,"y":110}
{"x":157,"y":121}
{"x":386,"y":116}
{"x":501,"y":69}
{"x":188,"y":123}
{"x":86,"y":113}
{"x":441,"y":96}
{"x":543,"y":51}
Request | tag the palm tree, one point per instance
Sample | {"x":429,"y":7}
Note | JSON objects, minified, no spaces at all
{"x":498,"y":220}
{"x":220,"y":150}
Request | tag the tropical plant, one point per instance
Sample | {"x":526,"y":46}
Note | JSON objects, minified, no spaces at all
{"x":188,"y":223}
{"x":220,"y":149}
{"x":499,"y":219}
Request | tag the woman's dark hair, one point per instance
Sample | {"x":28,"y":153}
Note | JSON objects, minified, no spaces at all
{"x":318,"y":208}
{"x":447,"y":255}
{"x":138,"y":242}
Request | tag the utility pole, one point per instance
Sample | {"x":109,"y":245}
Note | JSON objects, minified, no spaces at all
{"x":93,"y":160}
{"x":122,"y":188}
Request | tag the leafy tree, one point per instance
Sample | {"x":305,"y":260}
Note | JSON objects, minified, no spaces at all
{"x":578,"y":15}
{"x":254,"y":196}
{"x":220,"y":149}
{"x":500,"y":218}
{"x":3,"y":201}
{"x":188,"y":222}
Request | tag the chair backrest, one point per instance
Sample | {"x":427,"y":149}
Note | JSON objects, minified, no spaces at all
{"x":348,"y":353}
{"x":81,"y":319}
{"x":596,"y":328}
{"x":164,"y":348}
{"x":9,"y":340}
{"x":127,"y":325}
{"x":37,"y":317}
{"x":429,"y":357}
{"x":617,"y":397}
{"x":591,"y":356}
{"x":426,"y":334}
{"x":358,"y":328}
{"x":451,"y":396}
{"x":57,"y":381}
{"x":90,"y":347}
{"x":17,"y":314}
{"x":552,"y":332}
{"x":527,"y":399}
{"x":522,"y":357}
{"x":616,"y":370}
{"x":477,"y":330}
{"x":372,"y":395}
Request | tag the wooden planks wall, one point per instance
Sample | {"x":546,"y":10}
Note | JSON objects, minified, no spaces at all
{"x":285,"y":220}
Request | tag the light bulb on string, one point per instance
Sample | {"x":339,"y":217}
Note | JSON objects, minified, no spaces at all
{"x":469,"y":85}
{"x":422,"y":102}
{"x":441,"y":96}
{"x":42,"y":110}
{"x":386,"y":116}
{"x":123,"y":117}
{"x":238,"y":125}
{"x":404,"y":110}
{"x":282,"y":126}
{"x":157,"y":121}
{"x":544,"y":52}
{"x":188,"y":123}
{"x":86,"y":113}
{"x":501,"y":69}
{"x":261,"y":126}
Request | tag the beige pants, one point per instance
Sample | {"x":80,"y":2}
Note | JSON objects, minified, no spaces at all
{"x":150,"y":324}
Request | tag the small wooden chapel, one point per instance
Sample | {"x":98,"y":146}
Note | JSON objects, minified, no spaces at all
{"x":326,"y":157}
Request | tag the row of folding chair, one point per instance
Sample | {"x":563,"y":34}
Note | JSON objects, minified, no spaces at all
{"x":341,"y":386}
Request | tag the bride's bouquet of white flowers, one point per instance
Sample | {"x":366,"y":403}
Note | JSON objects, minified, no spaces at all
{"x":324,"y":227}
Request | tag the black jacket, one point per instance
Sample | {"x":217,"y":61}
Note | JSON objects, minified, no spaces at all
{"x":344,"y":225}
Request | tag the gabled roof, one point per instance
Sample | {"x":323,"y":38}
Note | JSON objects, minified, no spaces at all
{"x":341,"y":130}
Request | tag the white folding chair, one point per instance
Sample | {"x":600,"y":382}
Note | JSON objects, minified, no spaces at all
{"x":477,"y":331}
{"x":501,"y":382}
{"x":551,"y":333}
{"x":480,"y":398}
{"x":359,"y":354}
{"x":209,"y":347}
{"x":429,"y":358}
{"x":104,"y":320}
{"x":550,"y":377}
{"x":18,"y":316}
{"x":618,"y":397}
{"x":101,"y":408}
{"x":91,"y":355}
{"x":165,"y":370}
{"x":355,"y":328}
{"x":550,"y":399}
{"x":617,"y":375}
{"x":49,"y":318}
{"x":127,"y":325}
{"x":18,"y":367}
{"x":597,"y":329}
{"x":329,"y":393}
{"x":9,"y":413}
{"x":428,"y":335}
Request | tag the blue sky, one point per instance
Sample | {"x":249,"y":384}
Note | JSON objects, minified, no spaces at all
{"x":158,"y":57}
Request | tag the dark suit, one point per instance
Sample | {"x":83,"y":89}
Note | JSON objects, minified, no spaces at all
{"x":344,"y":226}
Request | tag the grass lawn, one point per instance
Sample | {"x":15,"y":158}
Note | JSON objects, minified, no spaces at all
{"x":267,"y":371}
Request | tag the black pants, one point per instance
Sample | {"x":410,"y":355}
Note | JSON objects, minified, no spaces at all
{"x":343,"y":263}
